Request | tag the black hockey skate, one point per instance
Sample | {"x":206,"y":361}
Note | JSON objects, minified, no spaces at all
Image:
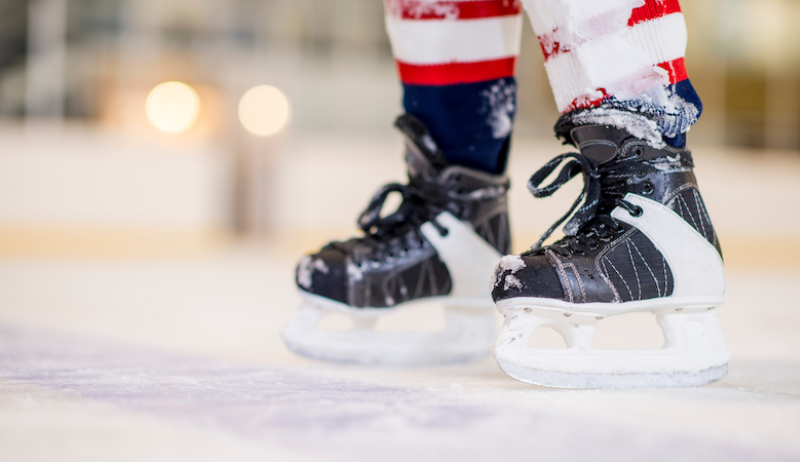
{"x":641,"y":241}
{"x":442,"y":243}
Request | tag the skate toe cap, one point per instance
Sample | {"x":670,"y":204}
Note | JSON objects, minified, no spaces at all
{"x":525,"y":276}
{"x":323,"y":274}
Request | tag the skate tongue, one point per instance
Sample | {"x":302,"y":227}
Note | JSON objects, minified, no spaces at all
{"x":599,"y":142}
{"x":423,"y":155}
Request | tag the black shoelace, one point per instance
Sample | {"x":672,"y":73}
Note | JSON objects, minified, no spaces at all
{"x":386,"y":238}
{"x":603,"y":190}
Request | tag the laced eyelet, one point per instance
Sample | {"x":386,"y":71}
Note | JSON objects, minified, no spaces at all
{"x":638,"y":152}
{"x":404,"y":252}
{"x":649,"y":188}
{"x":375,"y":264}
{"x":444,"y":232}
{"x":637,"y":211}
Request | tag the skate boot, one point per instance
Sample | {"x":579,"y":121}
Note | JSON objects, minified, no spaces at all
{"x":641,"y":241}
{"x":442,"y":243}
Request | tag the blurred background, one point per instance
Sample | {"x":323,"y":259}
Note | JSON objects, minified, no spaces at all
{"x":83,"y":167}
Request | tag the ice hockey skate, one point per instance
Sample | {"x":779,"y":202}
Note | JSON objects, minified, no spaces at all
{"x":442,"y":243}
{"x":641,"y":241}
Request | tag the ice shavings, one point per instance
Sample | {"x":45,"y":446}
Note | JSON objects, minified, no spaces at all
{"x":636,"y":124}
{"x":650,"y":115}
{"x":512,"y":281}
{"x":354,"y":272}
{"x":511,"y":263}
{"x":500,"y":104}
{"x":306,"y":268}
{"x":429,"y":143}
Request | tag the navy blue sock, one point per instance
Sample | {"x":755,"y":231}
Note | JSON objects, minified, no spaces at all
{"x":471,"y":122}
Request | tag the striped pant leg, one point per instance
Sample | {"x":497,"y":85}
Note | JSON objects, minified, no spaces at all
{"x":456,"y":61}
{"x":618,"y":60}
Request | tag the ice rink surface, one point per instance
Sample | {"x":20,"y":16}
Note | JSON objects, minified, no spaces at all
{"x":151,"y":357}
{"x":154,"y":360}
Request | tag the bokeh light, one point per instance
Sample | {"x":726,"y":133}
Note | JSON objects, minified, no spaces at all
{"x":264,"y":110}
{"x":172,"y":106}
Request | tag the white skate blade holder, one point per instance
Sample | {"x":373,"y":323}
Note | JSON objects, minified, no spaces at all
{"x":694,"y":353}
{"x":471,"y":323}
{"x":469,"y":334}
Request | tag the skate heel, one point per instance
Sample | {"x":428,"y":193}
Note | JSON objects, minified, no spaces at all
{"x":694,"y":351}
{"x":470,"y":331}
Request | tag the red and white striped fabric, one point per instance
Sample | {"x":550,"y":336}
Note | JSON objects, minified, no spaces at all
{"x":599,"y":48}
{"x":449,"y":42}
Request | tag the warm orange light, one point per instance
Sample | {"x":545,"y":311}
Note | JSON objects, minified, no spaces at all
{"x":172,"y":106}
{"x":264,"y":110}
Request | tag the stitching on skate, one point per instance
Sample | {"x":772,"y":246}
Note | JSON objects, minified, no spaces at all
{"x":673,"y":194}
{"x":679,"y":209}
{"x":421,"y":279}
{"x":604,"y":274}
{"x":395,"y":277}
{"x":688,"y":212}
{"x":633,"y":265}
{"x":561,"y":273}
{"x":647,"y":265}
{"x":580,"y":282}
{"x":616,"y":243}
{"x":620,"y":277}
{"x":604,"y":254}
{"x":696,"y":196}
